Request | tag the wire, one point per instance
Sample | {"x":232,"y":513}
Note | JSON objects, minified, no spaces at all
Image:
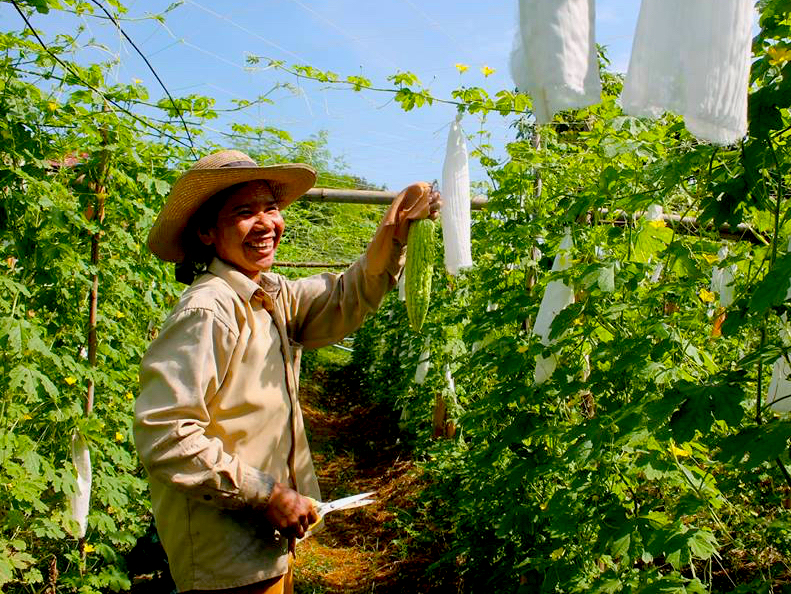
{"x":436,"y":25}
{"x":154,"y":72}
{"x":246,"y":30}
{"x":75,"y":74}
{"x":340,"y":30}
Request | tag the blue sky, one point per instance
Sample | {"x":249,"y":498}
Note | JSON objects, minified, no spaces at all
{"x":202,"y":48}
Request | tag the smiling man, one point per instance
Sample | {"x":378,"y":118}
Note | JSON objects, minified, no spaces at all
{"x":248,"y":229}
{"x":217,"y":423}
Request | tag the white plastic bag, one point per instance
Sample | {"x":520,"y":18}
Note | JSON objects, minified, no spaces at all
{"x":557,"y":297}
{"x":554,"y":55}
{"x":693,"y":58}
{"x":779,"y":394}
{"x":423,"y":364}
{"x":81,"y":500}
{"x":722,"y":280}
{"x":456,"y":202}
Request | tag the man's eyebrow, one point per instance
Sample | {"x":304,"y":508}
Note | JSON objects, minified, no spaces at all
{"x":241,"y":206}
{"x":252,"y":201}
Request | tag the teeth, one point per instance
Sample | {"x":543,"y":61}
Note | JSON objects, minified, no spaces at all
{"x":262,"y":244}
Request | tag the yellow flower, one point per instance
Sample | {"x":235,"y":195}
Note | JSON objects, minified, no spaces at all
{"x":119,"y":436}
{"x":678,"y":452}
{"x":706,"y":296}
{"x":557,"y":553}
{"x":129,"y":396}
{"x":521,"y":349}
{"x":26,"y":417}
{"x":89,"y":548}
{"x":710,"y":258}
{"x":486,"y":71}
{"x":658,"y":224}
{"x":778,"y":55}
{"x":137,"y":81}
{"x":120,"y":314}
{"x":462,"y":68}
{"x":52,"y":106}
{"x":70,"y":380}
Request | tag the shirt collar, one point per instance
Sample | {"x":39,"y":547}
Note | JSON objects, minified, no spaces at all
{"x":244,"y":286}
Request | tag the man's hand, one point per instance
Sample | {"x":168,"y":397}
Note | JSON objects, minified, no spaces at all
{"x":420,"y":201}
{"x":434,"y":204}
{"x":289,"y":512}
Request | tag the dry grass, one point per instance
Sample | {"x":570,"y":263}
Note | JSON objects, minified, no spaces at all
{"x":355,"y":449}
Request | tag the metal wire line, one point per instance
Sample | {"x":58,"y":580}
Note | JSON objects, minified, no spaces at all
{"x":153,"y":71}
{"x":339,"y":29}
{"x":246,"y":30}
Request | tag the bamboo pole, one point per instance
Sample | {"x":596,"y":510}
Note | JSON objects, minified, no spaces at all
{"x":367,"y":197}
{"x":686,"y":225}
{"x":691,"y":226}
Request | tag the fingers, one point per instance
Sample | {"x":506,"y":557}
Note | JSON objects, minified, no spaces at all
{"x":289,"y":512}
{"x":416,"y":201}
{"x":313,"y":517}
{"x":434,"y":204}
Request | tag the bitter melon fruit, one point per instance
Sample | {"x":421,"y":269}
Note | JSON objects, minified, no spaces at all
{"x":419,"y":270}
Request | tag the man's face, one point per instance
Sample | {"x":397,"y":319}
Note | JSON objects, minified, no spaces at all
{"x":248,"y":229}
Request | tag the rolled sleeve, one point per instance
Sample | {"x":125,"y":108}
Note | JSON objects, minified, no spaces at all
{"x":180,"y":374}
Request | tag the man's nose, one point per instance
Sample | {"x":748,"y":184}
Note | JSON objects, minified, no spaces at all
{"x":263,"y":219}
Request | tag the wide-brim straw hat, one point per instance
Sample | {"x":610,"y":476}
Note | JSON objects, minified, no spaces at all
{"x":214,"y":173}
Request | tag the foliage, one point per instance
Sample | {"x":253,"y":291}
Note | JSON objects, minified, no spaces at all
{"x":649,"y":462}
{"x":82,"y":176}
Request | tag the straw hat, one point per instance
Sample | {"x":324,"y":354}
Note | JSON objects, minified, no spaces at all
{"x":211,"y":174}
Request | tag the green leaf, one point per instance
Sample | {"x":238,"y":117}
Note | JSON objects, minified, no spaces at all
{"x":606,"y":278}
{"x":754,"y":446}
{"x":764,"y":113}
{"x":162,"y":187}
{"x":702,"y":543}
{"x":772,"y":289}
{"x":704,"y":404}
{"x":651,"y":241}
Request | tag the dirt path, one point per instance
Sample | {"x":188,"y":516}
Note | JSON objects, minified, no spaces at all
{"x":356,"y":448}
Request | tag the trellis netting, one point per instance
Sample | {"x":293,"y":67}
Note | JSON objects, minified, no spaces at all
{"x":81,"y":499}
{"x":557,"y":296}
{"x":456,"y":201}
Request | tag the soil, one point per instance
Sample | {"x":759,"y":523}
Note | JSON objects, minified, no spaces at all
{"x":357,"y":448}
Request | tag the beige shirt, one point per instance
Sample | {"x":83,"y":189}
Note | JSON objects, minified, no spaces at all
{"x":218,"y":419}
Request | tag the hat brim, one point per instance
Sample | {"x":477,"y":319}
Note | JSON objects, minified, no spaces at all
{"x":288,"y":182}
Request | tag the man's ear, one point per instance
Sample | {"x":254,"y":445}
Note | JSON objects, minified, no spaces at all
{"x":207,"y":236}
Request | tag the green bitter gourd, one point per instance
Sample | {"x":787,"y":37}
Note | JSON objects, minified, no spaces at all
{"x":419,"y":270}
